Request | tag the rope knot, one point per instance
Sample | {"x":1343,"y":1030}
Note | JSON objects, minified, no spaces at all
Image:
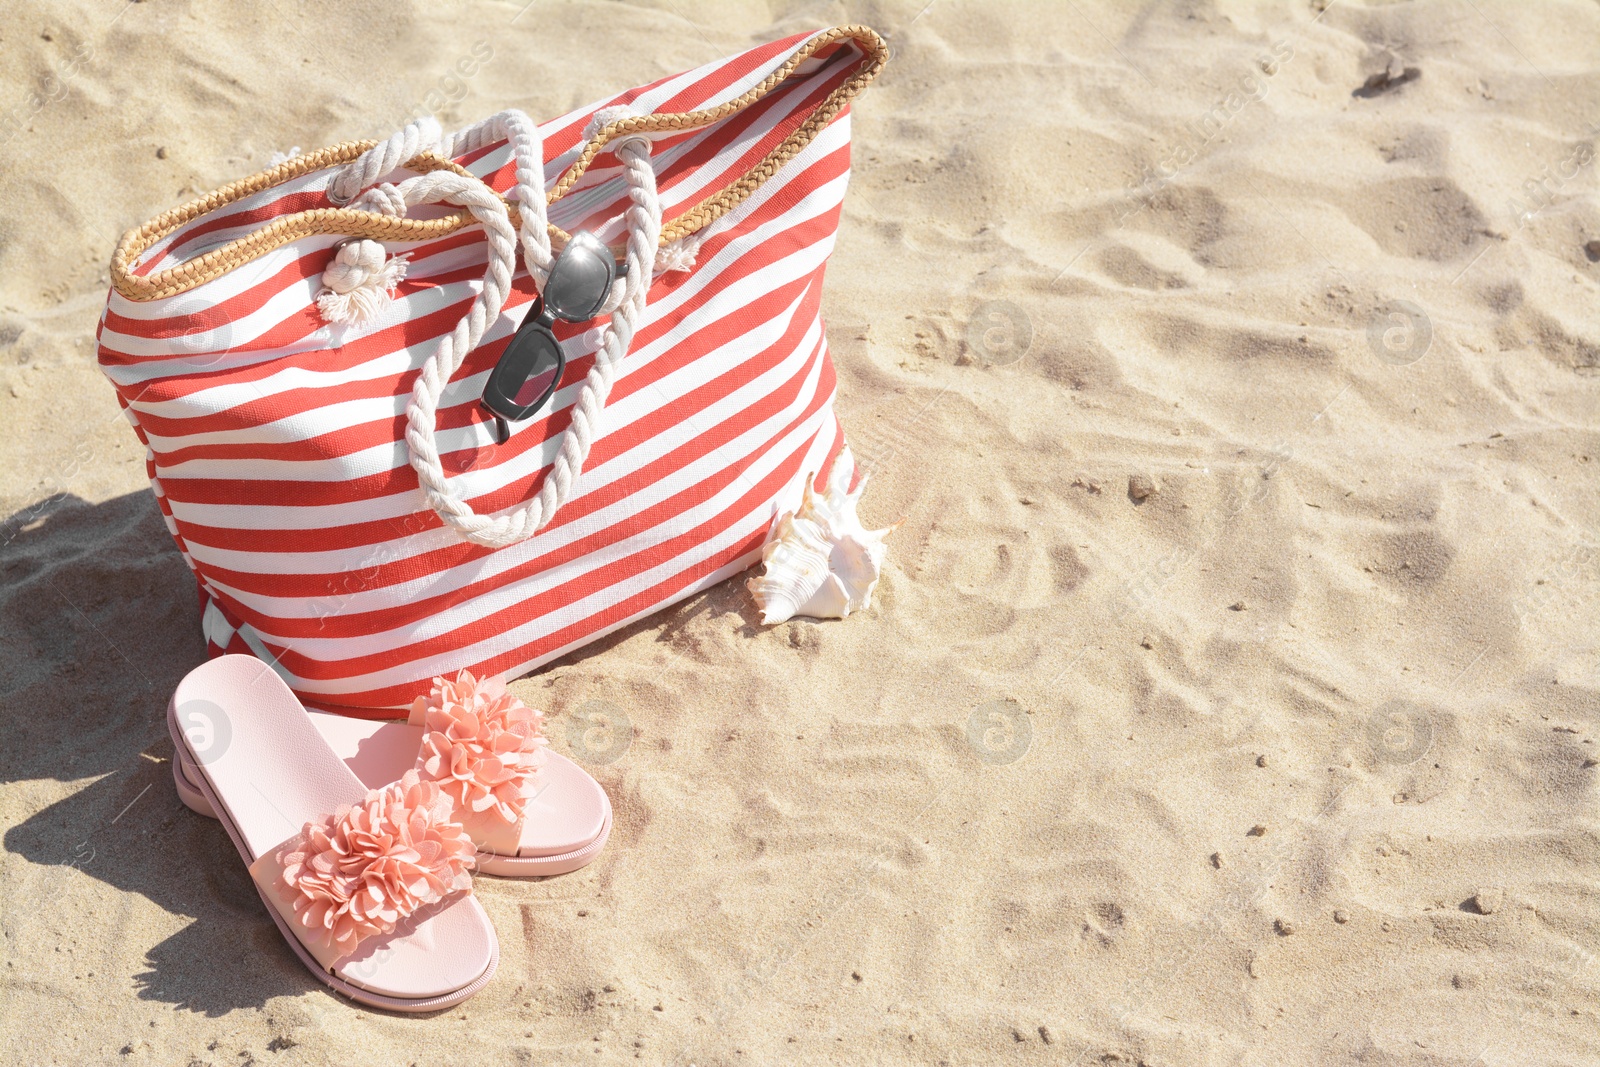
{"x":357,"y":284}
{"x":382,"y":199}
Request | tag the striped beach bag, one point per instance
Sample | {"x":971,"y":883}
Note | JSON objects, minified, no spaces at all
{"x":471,"y":400}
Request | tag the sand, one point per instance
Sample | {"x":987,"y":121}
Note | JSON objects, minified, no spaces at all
{"x":1232,"y":693}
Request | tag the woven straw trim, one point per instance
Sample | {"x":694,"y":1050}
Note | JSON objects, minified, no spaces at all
{"x":344,"y":221}
{"x":714,"y":207}
{"x":278,"y":232}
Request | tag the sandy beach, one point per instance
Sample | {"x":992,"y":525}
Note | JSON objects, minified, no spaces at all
{"x":1232,"y":691}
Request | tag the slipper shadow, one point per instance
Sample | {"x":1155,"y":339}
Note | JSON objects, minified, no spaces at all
{"x":129,"y":830}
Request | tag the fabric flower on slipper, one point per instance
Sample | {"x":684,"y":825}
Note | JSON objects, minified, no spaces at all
{"x":361,"y":870}
{"x":481,"y":744}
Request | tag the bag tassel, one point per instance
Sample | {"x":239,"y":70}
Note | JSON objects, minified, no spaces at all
{"x":357,"y":284}
{"x":678,"y":255}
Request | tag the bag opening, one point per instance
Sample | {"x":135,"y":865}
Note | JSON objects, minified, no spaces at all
{"x":701,"y":179}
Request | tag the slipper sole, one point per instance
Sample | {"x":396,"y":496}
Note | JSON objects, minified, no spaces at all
{"x":202,"y":788}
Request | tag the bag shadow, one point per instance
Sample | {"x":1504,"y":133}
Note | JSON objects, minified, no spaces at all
{"x":98,"y":622}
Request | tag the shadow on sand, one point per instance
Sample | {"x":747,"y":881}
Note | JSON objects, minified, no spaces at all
{"x":98,"y":622}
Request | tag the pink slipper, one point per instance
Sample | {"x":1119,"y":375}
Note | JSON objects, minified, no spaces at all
{"x":370,"y":887}
{"x":549,"y":822}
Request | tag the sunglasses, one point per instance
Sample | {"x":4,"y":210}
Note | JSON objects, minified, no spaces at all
{"x":529,"y":370}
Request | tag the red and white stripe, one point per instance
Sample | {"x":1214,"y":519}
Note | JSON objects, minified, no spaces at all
{"x":276,"y":443}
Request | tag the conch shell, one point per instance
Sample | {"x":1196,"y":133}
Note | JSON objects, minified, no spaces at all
{"x":820,"y":561}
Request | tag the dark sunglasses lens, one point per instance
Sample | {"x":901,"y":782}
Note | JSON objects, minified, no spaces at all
{"x":536,"y":388}
{"x":527,"y":375}
{"x":580,"y":279}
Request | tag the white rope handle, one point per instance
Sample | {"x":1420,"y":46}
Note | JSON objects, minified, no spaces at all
{"x":527,"y":150}
{"x":379,"y":160}
{"x":643,"y":218}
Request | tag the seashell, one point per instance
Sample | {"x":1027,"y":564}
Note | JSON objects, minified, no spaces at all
{"x":820,"y":561}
